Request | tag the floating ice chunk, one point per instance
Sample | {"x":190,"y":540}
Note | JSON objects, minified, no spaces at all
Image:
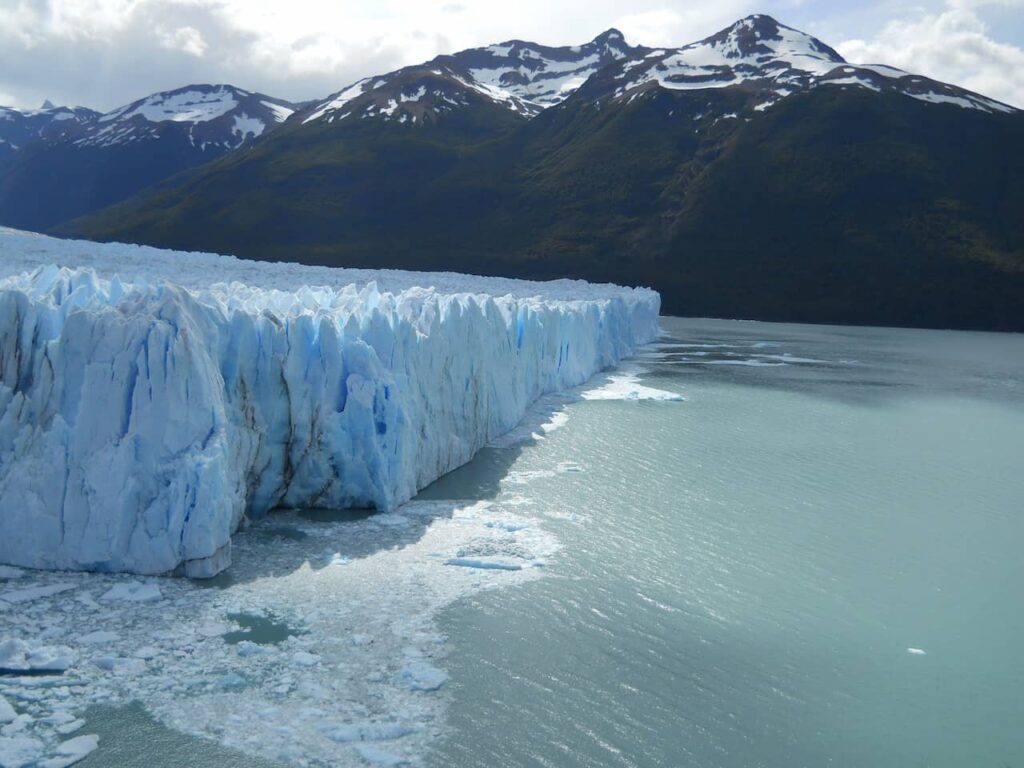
{"x":71,"y":751}
{"x":16,"y":596}
{"x":510,"y":526}
{"x":212,"y":629}
{"x":17,"y":725}
{"x":247,"y":648}
{"x":7,"y":713}
{"x":366,"y":732}
{"x":490,"y":565}
{"x":361,"y":640}
{"x":232,"y":681}
{"x":420,"y":676}
{"x":133,"y":592}
{"x":376,"y":756}
{"x":391,"y":520}
{"x":19,"y":751}
{"x":305,"y":659}
{"x":19,"y":656}
{"x":58,"y":718}
{"x":147,"y":652}
{"x":71,"y":727}
{"x":98,"y":637}
{"x":785,"y":357}
{"x":627,"y":386}
{"x":86,"y":599}
{"x":10,"y":572}
{"x":916,"y":651}
{"x":120,"y":665}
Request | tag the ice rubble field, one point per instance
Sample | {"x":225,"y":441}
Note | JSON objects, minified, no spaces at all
{"x":151,"y":400}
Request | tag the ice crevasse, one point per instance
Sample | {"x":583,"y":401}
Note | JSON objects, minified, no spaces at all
{"x":151,"y":400}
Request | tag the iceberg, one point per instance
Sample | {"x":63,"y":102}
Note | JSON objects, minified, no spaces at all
{"x":151,"y":401}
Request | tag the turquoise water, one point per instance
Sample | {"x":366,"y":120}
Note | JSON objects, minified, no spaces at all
{"x":743,"y":575}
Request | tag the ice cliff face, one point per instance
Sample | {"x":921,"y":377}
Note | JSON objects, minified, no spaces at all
{"x":150,"y":400}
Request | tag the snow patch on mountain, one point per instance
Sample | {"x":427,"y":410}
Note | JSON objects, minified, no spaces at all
{"x":21,"y":127}
{"x":218,"y":117}
{"x":150,"y":400}
{"x":761,"y":55}
{"x":247,"y":127}
{"x":188,"y":106}
{"x":523,"y":77}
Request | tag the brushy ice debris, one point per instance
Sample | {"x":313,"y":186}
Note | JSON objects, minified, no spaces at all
{"x":366,"y":732}
{"x":16,"y":596}
{"x":18,"y":656}
{"x":492,"y":565}
{"x":150,"y":400}
{"x":19,"y":751}
{"x":99,"y":637}
{"x":7,"y":713}
{"x":376,"y":756}
{"x":71,"y":751}
{"x":133,"y":592}
{"x":366,"y":630}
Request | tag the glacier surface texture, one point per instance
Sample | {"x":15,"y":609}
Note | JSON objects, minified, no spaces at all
{"x":151,"y":400}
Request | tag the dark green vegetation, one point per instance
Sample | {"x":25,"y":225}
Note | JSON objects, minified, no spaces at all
{"x":835,"y":205}
{"x":48,"y":183}
{"x":71,"y":162}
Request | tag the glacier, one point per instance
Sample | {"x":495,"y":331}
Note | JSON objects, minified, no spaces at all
{"x":152,"y":401}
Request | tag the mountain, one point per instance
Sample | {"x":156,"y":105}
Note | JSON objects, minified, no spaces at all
{"x":18,"y":128}
{"x":523,"y":77}
{"x":770,"y":62}
{"x":751,"y":174}
{"x":71,"y":162}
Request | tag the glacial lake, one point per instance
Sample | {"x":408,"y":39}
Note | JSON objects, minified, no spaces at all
{"x":814,"y":559}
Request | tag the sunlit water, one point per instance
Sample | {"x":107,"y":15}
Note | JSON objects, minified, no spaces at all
{"x":812,"y":560}
{"x":743,"y":575}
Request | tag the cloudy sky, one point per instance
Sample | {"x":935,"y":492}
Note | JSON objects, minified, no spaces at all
{"x":104,"y":53}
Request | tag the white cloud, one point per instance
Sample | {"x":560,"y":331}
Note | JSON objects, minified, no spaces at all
{"x":104,"y":53}
{"x":678,"y":24}
{"x":953,"y":45}
{"x":185,"y":39}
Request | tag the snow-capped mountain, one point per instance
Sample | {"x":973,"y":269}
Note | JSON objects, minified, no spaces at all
{"x":21,"y":127}
{"x":215,"y":117}
{"x":523,"y":77}
{"x":771,"y":61}
{"x":80,"y":160}
{"x":758,"y":55}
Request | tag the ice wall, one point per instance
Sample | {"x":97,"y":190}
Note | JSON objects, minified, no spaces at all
{"x":149,"y":400}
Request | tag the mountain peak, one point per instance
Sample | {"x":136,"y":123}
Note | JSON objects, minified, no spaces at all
{"x":611,"y":35}
{"x":47,"y":104}
{"x":760,"y":34}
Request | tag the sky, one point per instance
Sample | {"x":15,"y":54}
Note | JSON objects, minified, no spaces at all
{"x":106,"y":53}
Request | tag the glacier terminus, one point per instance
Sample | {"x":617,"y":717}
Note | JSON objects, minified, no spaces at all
{"x":152,"y":401}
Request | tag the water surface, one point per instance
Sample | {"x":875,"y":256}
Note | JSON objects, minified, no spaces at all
{"x":750,"y":577}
